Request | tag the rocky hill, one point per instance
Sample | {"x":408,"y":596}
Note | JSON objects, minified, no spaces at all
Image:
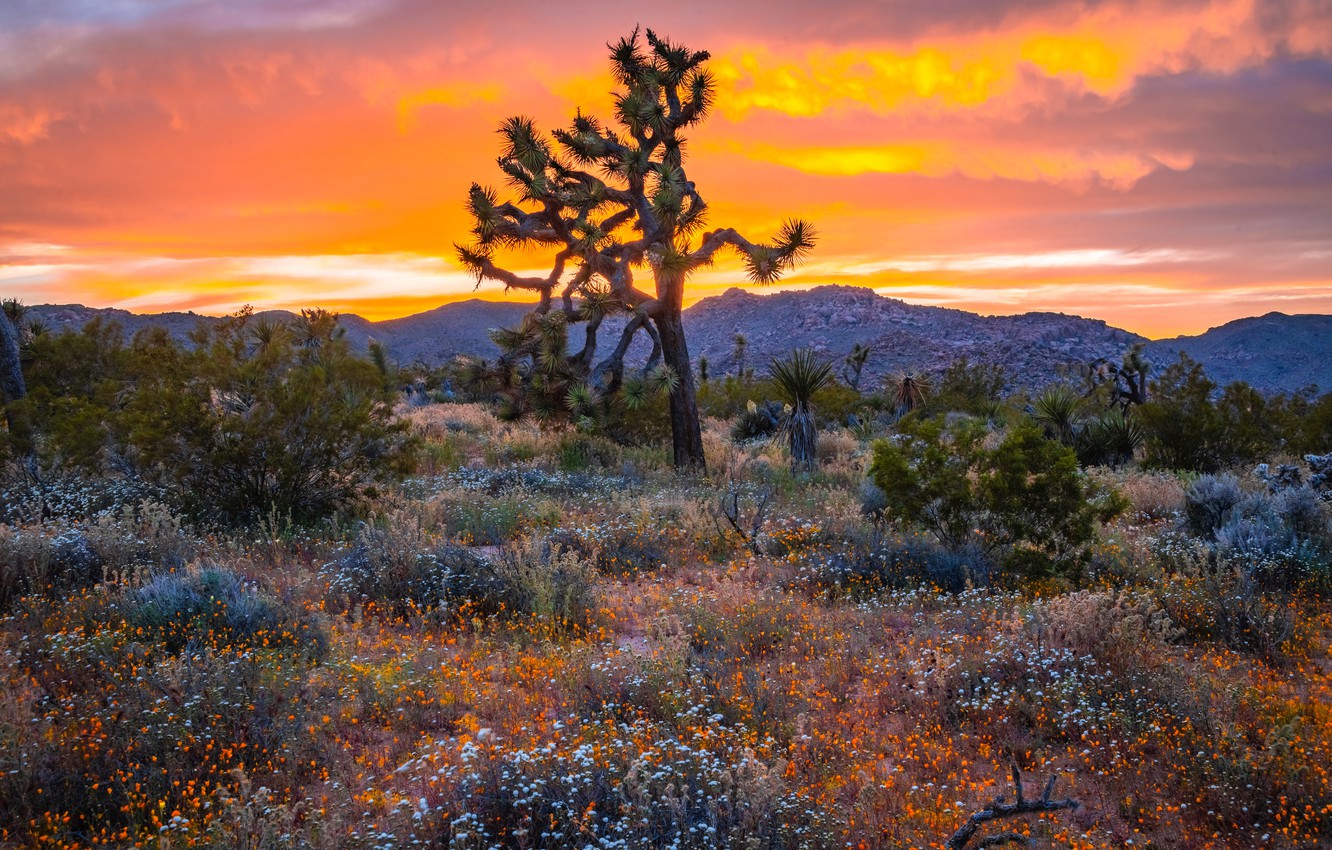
{"x":903,"y":337}
{"x":1274,"y":352}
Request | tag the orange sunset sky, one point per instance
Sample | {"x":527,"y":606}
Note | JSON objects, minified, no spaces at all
{"x":1165,"y":166}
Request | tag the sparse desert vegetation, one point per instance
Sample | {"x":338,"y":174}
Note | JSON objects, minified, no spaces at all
{"x":509,"y":635}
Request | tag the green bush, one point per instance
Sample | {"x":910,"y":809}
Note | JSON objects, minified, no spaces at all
{"x":256,"y":417}
{"x":1024,"y":500}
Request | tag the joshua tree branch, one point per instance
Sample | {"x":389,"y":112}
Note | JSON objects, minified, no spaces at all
{"x":614,"y":362}
{"x":714,"y":241}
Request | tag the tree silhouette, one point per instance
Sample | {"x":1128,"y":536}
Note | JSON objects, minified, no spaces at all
{"x":612,"y":202}
{"x":853,"y":364}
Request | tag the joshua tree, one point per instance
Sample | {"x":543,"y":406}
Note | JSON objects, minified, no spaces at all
{"x":853,"y":364}
{"x":610,"y":201}
{"x":12,"y":386}
{"x":798,"y":378}
{"x":1127,"y":381}
{"x":741,"y":347}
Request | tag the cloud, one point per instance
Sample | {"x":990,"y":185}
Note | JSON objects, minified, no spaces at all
{"x":204,"y":153}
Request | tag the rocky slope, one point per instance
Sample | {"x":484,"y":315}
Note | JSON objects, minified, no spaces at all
{"x":1274,"y":352}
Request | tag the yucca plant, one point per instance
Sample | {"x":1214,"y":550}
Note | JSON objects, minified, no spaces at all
{"x":802,"y":374}
{"x":908,"y":391}
{"x":1058,"y":410}
{"x":1111,"y":439}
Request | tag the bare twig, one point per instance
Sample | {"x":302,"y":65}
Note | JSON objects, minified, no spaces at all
{"x":731,"y":509}
{"x":998,"y":810}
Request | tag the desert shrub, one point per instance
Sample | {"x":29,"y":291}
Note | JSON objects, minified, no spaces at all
{"x":873,"y":501}
{"x":491,"y":521}
{"x":440,"y":455}
{"x":401,"y":571}
{"x":533,"y":579}
{"x":389,"y":566}
{"x":1302,"y":510}
{"x":976,"y":389}
{"x":729,"y":397}
{"x":1278,"y":540}
{"x":46,"y":561}
{"x":620,"y":546}
{"x":256,"y":416}
{"x":214,"y":608}
{"x":56,"y":557}
{"x":631,"y":785}
{"x":1152,"y":495}
{"x":863,"y":568}
{"x":1181,"y":425}
{"x":837,"y":446}
{"x":1114,"y":626}
{"x":1024,"y":500}
{"x":1224,"y":603}
{"x":149,"y":535}
{"x":1209,"y":502}
{"x":577,"y":451}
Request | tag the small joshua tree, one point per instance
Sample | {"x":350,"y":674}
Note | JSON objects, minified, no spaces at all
{"x":741,"y":348}
{"x":854,"y":364}
{"x":610,"y":202}
{"x":798,"y":378}
{"x":1127,"y":382}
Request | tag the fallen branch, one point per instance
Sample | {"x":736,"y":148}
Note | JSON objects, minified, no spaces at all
{"x":999,"y":810}
{"x":730,"y":508}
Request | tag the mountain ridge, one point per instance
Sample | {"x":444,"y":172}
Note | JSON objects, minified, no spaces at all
{"x":1274,"y":351}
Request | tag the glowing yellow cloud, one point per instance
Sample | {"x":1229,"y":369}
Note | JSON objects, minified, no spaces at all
{"x":457,"y":94}
{"x":880,"y":80}
{"x":1102,"y":50}
{"x":978,"y":161}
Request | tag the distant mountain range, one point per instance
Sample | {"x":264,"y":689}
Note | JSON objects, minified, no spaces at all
{"x":1271,"y":352}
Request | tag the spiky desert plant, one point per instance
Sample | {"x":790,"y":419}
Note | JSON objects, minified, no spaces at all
{"x":908,"y":390}
{"x":1110,"y":439}
{"x":612,"y":200}
{"x":802,"y":374}
{"x":1058,"y":410}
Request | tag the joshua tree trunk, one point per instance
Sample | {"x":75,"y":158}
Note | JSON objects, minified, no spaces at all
{"x":686,"y":434}
{"x":12,"y":387}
